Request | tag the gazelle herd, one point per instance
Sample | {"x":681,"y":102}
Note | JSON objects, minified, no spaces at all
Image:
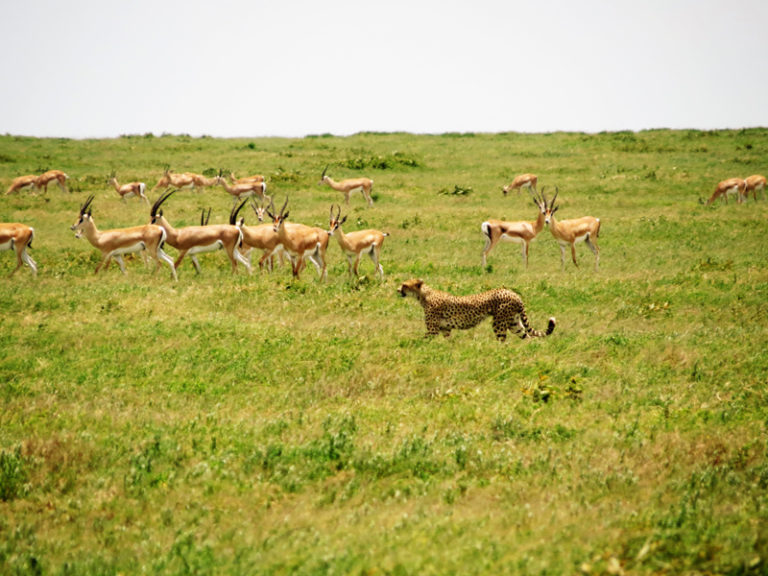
{"x":740,"y":187}
{"x":280,"y":237}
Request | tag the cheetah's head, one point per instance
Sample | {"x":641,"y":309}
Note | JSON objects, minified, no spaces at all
{"x":412,"y":287}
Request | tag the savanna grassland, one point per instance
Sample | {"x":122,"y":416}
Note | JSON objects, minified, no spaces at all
{"x":236,"y":424}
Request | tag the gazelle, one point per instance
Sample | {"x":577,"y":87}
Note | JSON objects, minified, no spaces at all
{"x":195,"y":240}
{"x":256,"y":177}
{"x":365,"y":185}
{"x":522,"y":181}
{"x":262,"y":237}
{"x":21,"y":183}
{"x":730,"y":186}
{"x":18,"y":237}
{"x":201,"y":182}
{"x":356,"y":243}
{"x":46,"y":178}
{"x":129,"y":190}
{"x":115,"y":243}
{"x":568,"y":232}
{"x":244,"y":189}
{"x":301,"y":242}
{"x":178,"y":181}
{"x":754,"y":184}
{"x":522,"y":232}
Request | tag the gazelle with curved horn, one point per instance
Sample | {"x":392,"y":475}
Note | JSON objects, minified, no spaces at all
{"x":22,"y":183}
{"x":522,"y":232}
{"x":46,"y":178}
{"x":522,"y":181}
{"x":262,"y":237}
{"x":114,"y":243}
{"x":569,"y":232}
{"x":172,"y":179}
{"x":354,"y":244}
{"x":301,"y":242}
{"x":346,"y":187}
{"x":129,"y":190}
{"x":18,"y":237}
{"x":195,"y":240}
{"x":726,"y":187}
{"x":754,"y":184}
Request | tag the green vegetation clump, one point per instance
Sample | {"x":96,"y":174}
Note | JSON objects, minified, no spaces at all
{"x":237,"y":424}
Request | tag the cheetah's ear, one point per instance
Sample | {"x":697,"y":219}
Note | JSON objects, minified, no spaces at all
{"x":419,"y":282}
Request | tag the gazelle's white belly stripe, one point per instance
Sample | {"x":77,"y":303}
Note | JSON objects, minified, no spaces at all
{"x":218,"y":245}
{"x":515,"y":239}
{"x":138,"y":247}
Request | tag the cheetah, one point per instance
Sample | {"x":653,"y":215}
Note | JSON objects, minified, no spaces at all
{"x":443,"y":312}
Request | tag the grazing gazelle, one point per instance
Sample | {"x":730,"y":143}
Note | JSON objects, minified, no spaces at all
{"x":365,"y":185}
{"x":129,"y":190}
{"x":568,"y":232}
{"x":522,"y":232}
{"x":194,"y":240}
{"x":754,"y":184}
{"x":21,"y":183}
{"x":726,"y":187}
{"x":18,"y":237}
{"x":115,"y":243}
{"x":522,"y":181}
{"x":46,"y":178}
{"x":354,"y":244}
{"x":301,"y":242}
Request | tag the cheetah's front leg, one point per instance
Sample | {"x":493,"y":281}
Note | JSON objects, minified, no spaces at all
{"x":433,"y":328}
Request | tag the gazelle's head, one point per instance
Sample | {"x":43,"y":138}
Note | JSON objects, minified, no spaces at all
{"x":550,"y":207}
{"x":323,"y":176}
{"x":505,"y":189}
{"x":83,"y":218}
{"x":156,"y":214}
{"x":258,"y":209}
{"x":336,"y":221}
{"x":540,"y":202}
{"x":112,"y":177}
{"x":278,"y":219}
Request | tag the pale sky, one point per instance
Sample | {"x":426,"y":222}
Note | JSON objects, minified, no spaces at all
{"x":103,"y":68}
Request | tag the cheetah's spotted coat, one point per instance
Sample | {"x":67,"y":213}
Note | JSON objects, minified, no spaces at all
{"x":444,"y":312}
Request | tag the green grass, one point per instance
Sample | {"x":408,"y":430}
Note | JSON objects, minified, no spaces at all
{"x":256,"y":424}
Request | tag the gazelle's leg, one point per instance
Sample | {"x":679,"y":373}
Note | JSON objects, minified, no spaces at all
{"x":595,"y":250}
{"x":573,"y":253}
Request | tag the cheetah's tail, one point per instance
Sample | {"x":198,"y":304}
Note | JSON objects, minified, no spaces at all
{"x":531,"y":333}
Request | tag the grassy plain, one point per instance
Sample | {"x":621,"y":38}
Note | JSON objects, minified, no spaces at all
{"x":256,"y":424}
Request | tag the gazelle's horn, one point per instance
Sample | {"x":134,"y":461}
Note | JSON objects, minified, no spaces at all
{"x":159,"y":202}
{"x":85,"y":206}
{"x":236,"y":211}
